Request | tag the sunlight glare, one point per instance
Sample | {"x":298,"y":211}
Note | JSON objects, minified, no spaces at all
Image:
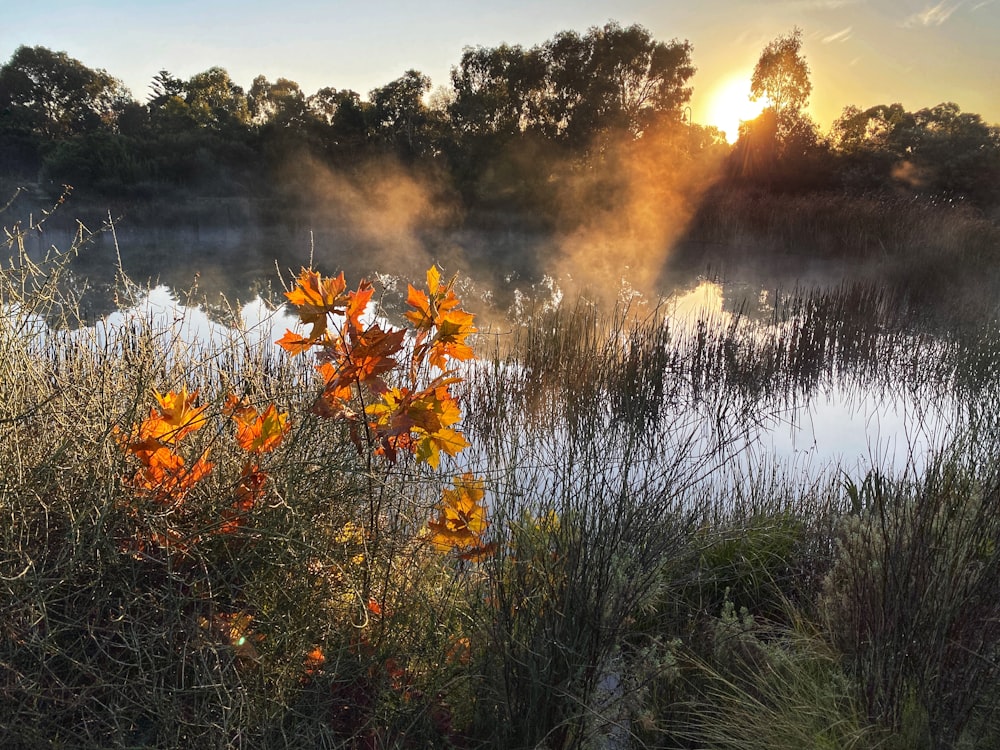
{"x":730,"y":105}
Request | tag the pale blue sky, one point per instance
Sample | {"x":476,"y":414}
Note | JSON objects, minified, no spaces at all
{"x":861,"y":52}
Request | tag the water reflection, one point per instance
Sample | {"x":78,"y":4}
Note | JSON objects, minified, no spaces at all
{"x":813,"y":391}
{"x":255,"y":323}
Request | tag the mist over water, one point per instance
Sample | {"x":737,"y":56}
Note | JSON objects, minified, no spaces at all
{"x":617,"y":234}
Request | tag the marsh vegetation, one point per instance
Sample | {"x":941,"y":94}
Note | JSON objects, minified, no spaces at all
{"x":715,"y":466}
{"x":650,"y":571}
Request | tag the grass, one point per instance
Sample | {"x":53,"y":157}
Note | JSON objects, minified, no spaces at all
{"x":650,"y":585}
{"x":936,"y":251}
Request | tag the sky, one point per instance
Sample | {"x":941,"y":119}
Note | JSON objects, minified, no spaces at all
{"x":860,"y":52}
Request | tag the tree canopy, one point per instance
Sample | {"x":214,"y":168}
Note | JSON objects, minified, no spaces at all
{"x":513,"y":123}
{"x":55,"y":95}
{"x":781,"y":76}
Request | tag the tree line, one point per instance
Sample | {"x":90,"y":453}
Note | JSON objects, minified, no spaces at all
{"x":511,"y":119}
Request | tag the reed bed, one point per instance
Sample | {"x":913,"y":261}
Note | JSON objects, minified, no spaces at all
{"x":650,"y":580}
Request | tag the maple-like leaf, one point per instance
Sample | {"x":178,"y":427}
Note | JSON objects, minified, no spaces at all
{"x":334,"y":401}
{"x":250,"y":488}
{"x":314,"y":661}
{"x":419,"y":422}
{"x":178,"y":410}
{"x":314,"y":298}
{"x":294,"y":343}
{"x":438,"y":312}
{"x":461,"y":520}
{"x":369,"y":354}
{"x":422,"y":315}
{"x":174,"y":417}
{"x":165,"y":478}
{"x":248,"y":492}
{"x":172,"y":541}
{"x":357,"y":304}
{"x":429,"y":446}
{"x":260,"y":433}
{"x":453,"y":327}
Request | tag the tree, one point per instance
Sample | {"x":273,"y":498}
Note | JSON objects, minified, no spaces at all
{"x":346,"y":115}
{"x":54,"y":95}
{"x":878,"y":128}
{"x":164,"y":88}
{"x":614,"y":78}
{"x":499,"y":90}
{"x":869,"y":142}
{"x":956,"y":151}
{"x":939,"y":149}
{"x":781,"y":148}
{"x":281,"y":103}
{"x":398,"y":111}
{"x":215,"y":101}
{"x":781,"y":76}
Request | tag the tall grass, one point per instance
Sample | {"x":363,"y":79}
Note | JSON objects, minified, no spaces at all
{"x":651,"y":583}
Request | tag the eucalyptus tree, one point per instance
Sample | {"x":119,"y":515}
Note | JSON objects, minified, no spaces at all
{"x":940,"y":149}
{"x":499,"y":91}
{"x":399,"y":115}
{"x":281,"y":103}
{"x":781,"y":76}
{"x":54,"y":95}
{"x":216,"y":101}
{"x":957,"y":152}
{"x":614,"y":78}
{"x":782,"y":147}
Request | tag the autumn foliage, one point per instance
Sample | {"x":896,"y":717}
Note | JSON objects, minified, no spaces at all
{"x":163,"y":477}
{"x":397,"y":401}
{"x":392,"y":386}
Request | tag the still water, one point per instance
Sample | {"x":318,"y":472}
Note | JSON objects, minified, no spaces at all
{"x":872,"y":409}
{"x":840,"y":423}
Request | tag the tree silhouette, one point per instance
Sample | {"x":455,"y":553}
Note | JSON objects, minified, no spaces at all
{"x":54,"y":95}
{"x":399,"y":113}
{"x":781,"y":76}
{"x":781,"y":147}
{"x":614,"y":78}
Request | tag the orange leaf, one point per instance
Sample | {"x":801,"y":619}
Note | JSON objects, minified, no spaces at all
{"x":461,"y":520}
{"x":449,"y":341}
{"x":314,"y":295}
{"x":460,"y":651}
{"x":429,"y":447}
{"x":248,"y":492}
{"x":165,"y":479}
{"x":314,"y":661}
{"x":294,"y":344}
{"x":177,"y":411}
{"x":314,"y":298}
{"x":370,"y":354}
{"x":357,"y":304}
{"x":260,"y":433}
{"x":422,"y":314}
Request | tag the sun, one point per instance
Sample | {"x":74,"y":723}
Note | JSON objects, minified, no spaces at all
{"x":729,"y":105}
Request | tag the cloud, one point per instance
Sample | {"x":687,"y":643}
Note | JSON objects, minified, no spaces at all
{"x":841,"y":36}
{"x":821,"y":4}
{"x":935,"y":15}
{"x":804,"y":6}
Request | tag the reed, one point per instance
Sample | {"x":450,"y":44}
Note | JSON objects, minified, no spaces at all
{"x":650,"y":582}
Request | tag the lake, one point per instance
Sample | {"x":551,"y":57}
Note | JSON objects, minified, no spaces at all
{"x":800,"y":370}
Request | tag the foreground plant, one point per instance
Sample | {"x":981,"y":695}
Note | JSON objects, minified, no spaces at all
{"x":390,"y":397}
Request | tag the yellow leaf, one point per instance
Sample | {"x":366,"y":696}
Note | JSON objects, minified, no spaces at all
{"x":461,"y":520}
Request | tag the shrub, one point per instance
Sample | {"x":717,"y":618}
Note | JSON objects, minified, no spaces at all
{"x":913,"y":600}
